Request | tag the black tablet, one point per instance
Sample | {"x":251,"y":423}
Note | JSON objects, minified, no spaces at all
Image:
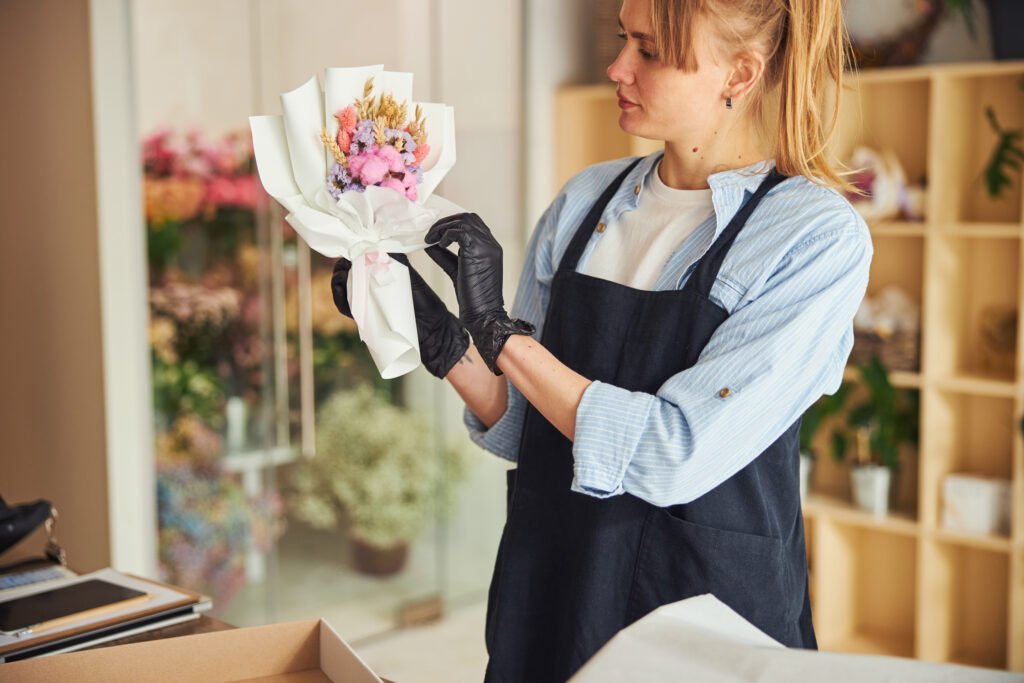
{"x":31,"y":610}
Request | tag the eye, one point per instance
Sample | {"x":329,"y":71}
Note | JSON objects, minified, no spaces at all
{"x":646,"y":54}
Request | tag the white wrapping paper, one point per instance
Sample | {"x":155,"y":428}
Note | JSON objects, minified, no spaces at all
{"x":293,"y":165}
{"x":702,"y":639}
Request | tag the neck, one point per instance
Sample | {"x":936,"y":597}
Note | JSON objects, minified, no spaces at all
{"x":688,"y":163}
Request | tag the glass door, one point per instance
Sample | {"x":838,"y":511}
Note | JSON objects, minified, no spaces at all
{"x":293,"y":481}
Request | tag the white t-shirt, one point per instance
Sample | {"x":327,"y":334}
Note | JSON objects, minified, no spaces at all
{"x":633,"y":250}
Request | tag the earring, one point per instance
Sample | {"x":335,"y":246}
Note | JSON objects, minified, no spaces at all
{"x":728,"y":102}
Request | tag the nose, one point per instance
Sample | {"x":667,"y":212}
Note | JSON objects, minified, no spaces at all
{"x":618,"y":71}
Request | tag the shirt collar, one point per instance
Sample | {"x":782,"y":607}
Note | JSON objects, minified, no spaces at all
{"x":729,"y":188}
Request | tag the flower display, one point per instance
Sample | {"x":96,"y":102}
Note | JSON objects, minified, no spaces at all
{"x":356,"y":174}
{"x":188,"y":178}
{"x":207,"y":316}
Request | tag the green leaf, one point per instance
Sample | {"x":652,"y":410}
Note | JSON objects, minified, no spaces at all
{"x":1006,"y":157}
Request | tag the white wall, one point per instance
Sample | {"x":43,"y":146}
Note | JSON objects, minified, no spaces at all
{"x":554,"y":52}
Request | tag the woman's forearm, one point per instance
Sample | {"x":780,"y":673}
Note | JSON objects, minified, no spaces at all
{"x":484,"y":394}
{"x":551,"y":387}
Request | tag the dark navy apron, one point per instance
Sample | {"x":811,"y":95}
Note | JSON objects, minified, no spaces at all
{"x":572,"y":570}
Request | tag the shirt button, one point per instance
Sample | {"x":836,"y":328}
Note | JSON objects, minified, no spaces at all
{"x":725,"y":393}
{"x":601,"y":227}
{"x":636,"y":190}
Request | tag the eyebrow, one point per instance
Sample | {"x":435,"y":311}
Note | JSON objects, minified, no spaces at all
{"x":635,"y":34}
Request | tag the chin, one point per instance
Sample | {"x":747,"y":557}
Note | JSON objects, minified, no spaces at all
{"x":630,"y":126}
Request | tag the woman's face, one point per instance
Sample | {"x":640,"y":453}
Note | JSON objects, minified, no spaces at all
{"x":657,"y":100}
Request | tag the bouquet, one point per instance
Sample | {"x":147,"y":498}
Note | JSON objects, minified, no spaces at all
{"x":355,"y":166}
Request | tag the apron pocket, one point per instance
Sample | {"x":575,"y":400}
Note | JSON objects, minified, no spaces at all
{"x":679,"y":559}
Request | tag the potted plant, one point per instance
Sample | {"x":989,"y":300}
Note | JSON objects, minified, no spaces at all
{"x":374,"y":470}
{"x":883,"y":422}
{"x":810,"y":426}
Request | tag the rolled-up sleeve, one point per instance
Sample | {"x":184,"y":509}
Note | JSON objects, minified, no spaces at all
{"x":766,"y":364}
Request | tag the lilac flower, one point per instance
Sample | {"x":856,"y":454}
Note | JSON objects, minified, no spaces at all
{"x":338,"y":180}
{"x":363,"y":139}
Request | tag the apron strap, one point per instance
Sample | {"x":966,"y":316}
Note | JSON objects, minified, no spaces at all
{"x":586,"y":229}
{"x":707,"y":270}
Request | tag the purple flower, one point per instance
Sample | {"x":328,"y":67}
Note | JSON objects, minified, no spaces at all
{"x":363,"y":139}
{"x":340,"y":180}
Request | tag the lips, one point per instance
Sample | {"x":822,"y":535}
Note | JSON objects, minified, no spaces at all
{"x":625,"y":103}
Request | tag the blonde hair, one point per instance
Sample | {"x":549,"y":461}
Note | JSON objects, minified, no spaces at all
{"x":805,"y":46}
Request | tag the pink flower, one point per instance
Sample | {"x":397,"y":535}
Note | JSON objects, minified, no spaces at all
{"x":347,"y":120}
{"x":421,"y":152}
{"x":392,"y":158}
{"x":368,"y":167}
{"x":344,"y":140}
{"x":411,"y":194}
{"x":394,"y":184}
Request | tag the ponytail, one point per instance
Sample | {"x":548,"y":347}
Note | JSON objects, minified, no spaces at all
{"x":814,"y":46}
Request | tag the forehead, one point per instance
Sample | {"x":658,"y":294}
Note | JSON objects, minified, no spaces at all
{"x":635,"y":15}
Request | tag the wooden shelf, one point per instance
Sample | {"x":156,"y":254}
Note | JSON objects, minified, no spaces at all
{"x":978,"y":385}
{"x":898,"y":228}
{"x":980,"y":230}
{"x":892,"y":645}
{"x":899,"y":378}
{"x":998,"y":544}
{"x":844,"y":512}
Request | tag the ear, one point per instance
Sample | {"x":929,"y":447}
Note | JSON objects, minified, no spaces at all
{"x":747,"y":71}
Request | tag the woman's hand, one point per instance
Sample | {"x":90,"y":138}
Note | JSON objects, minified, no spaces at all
{"x":477,"y":275}
{"x":442,"y":339}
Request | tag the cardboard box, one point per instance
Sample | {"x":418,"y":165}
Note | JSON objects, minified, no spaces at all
{"x":297,"y":652}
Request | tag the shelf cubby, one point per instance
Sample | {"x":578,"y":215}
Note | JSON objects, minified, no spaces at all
{"x":865,"y":599}
{"x":967,"y":277}
{"x":964,"y":433}
{"x":898,"y":261}
{"x":969,"y":624}
{"x":868,"y":119}
{"x":960,"y":197}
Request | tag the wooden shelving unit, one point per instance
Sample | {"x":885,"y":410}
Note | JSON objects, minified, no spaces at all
{"x":903,"y":585}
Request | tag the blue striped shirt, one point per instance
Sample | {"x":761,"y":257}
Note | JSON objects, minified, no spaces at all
{"x":791,"y":282}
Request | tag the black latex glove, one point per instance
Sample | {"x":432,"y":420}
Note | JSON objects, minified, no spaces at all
{"x":443,"y":340}
{"x":477,"y":275}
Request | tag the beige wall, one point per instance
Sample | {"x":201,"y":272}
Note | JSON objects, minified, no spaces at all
{"x":52,"y":441}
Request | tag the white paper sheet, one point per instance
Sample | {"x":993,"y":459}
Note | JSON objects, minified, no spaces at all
{"x":702,"y":639}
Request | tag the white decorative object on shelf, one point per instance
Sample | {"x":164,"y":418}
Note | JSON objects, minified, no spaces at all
{"x":978,"y":505}
{"x":871,"y":488}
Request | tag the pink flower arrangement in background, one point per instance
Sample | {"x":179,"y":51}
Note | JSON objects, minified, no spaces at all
{"x":376,"y":146}
{"x":192,"y":177}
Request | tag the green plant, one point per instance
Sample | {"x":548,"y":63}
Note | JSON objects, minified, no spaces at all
{"x":1006,"y":156}
{"x":966,"y":9}
{"x":814,"y":418}
{"x":375,"y":469}
{"x":888,"y":415}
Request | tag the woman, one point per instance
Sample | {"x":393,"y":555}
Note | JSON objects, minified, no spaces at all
{"x":675,"y":316}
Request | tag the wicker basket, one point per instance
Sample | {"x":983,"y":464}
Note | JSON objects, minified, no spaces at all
{"x":898,"y":351}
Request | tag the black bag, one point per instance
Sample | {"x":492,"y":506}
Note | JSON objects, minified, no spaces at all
{"x":18,"y":521}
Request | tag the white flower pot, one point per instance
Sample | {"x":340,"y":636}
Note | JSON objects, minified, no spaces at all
{"x":871,"y":488}
{"x":806,"y":467}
